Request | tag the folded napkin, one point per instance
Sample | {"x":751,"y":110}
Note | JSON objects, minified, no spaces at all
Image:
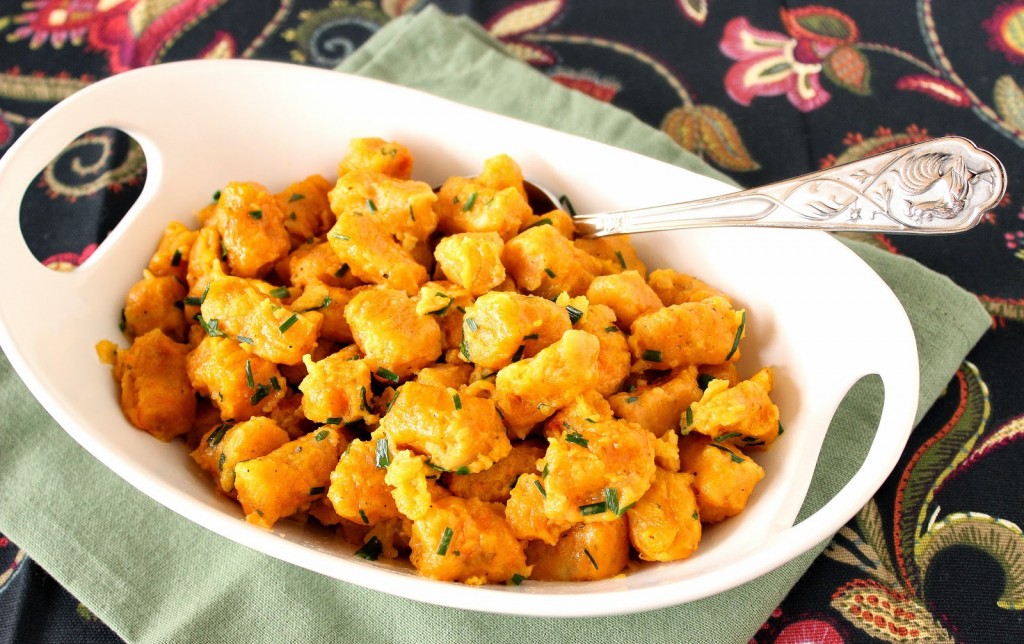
{"x":154,"y":576}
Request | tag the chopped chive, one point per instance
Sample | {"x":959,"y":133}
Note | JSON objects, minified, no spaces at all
{"x":457,"y":401}
{"x":532,"y":336}
{"x":341,"y":271}
{"x":632,"y":399}
{"x":464,"y":470}
{"x":622,"y":260}
{"x":689,"y":415}
{"x":392,"y":401}
{"x":191,"y":301}
{"x":262,"y":391}
{"x":383,"y":455}
{"x":781,"y":428}
{"x":574,"y":437}
{"x":547,"y":470}
{"x":574,"y":313}
{"x":461,"y":309}
{"x":371,"y":550}
{"x":216,"y":195}
{"x":550,"y":272}
{"x":217,"y":435}
{"x":591,"y":557}
{"x":333,"y":420}
{"x":446,"y":537}
{"x":220,"y":461}
{"x":123,"y":324}
{"x":209,"y":326}
{"x":730,"y":435}
{"x":341,"y":237}
{"x":591,"y":421}
{"x":464,"y":348}
{"x":518,"y":355}
{"x":363,"y":405}
{"x":323,"y":305}
{"x":541,"y":222}
{"x":287,"y":324}
{"x":593,"y":508}
{"x":176,"y":257}
{"x":471,"y":324}
{"x":411,"y":215}
{"x":739,"y":333}
{"x":362,"y":515}
{"x":611,"y":499}
{"x":280,"y":292}
{"x":611,"y":329}
{"x":248,"y":374}
{"x":387,"y":374}
{"x":516,"y":579}
{"x":469,"y":203}
{"x":372,"y":206}
{"x":223,"y":250}
{"x":567,"y":206}
{"x":703,"y":380}
{"x":652,"y":355}
{"x":695,"y":516}
{"x":295,"y":197}
{"x":441,"y":311}
{"x":540,"y":486}
{"x":320,"y":435}
{"x":256,"y":214}
{"x":320,"y":489}
{"x":242,"y":339}
{"x":733,"y":455}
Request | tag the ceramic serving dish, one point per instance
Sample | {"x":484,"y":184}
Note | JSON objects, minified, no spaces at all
{"x":817,"y":313}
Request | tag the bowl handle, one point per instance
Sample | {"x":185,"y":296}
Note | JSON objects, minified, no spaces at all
{"x":900,"y":380}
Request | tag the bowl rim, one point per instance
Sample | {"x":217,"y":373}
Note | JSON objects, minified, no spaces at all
{"x":91,"y":107}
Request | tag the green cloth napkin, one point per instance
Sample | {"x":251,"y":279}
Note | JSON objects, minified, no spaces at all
{"x":154,"y":576}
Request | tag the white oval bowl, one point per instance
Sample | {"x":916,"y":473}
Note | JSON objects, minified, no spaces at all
{"x":820,"y":316}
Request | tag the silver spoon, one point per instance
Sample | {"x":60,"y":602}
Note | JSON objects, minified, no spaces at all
{"x":944,"y":185}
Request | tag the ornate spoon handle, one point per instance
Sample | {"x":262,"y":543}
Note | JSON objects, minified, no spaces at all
{"x":943,"y":185}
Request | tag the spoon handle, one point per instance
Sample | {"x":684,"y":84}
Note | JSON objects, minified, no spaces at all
{"x":944,"y":185}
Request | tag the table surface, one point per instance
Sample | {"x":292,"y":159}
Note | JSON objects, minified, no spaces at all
{"x":762,"y":94}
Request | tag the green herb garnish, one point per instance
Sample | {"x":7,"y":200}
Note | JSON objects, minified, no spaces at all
{"x":320,"y":435}
{"x":287,"y":324}
{"x":739,"y":333}
{"x":242,"y":339}
{"x":518,"y":355}
{"x":280,"y":292}
{"x":541,"y":222}
{"x":622,"y":260}
{"x":516,"y":579}
{"x":256,"y":214}
{"x":652,"y":355}
{"x":732,"y":455}
{"x":248,"y":374}
{"x":567,"y":206}
{"x":371,"y":550}
{"x":457,"y":401}
{"x":176,"y":257}
{"x":366,"y":519}
{"x":217,"y":435}
{"x":262,"y":391}
{"x":209,"y":326}
{"x":574,"y":437}
{"x":446,"y":536}
{"x":591,"y":557}
{"x":574,"y":314}
{"x":703,"y":380}
{"x":320,"y":489}
{"x":382,"y":454}
{"x":725,"y":437}
{"x":469,"y":203}
{"x":471,"y":324}
{"x":372,"y":206}
{"x":387,"y":374}
{"x":593,"y":508}
{"x":550,"y":272}
{"x":341,"y":271}
{"x":540,"y":486}
{"x":295,"y":197}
